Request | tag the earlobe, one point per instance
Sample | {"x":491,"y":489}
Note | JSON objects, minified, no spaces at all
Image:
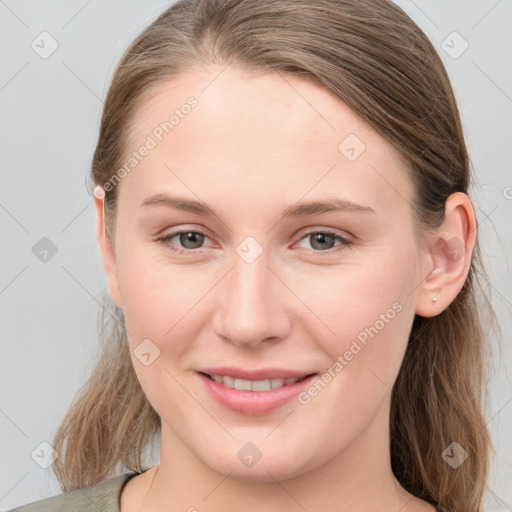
{"x":449,"y":256}
{"x":105,"y":245}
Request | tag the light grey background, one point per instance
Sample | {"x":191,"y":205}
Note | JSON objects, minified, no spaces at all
{"x":50,"y":111}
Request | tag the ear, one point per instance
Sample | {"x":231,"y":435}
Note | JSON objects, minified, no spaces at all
{"x":105,"y":243}
{"x":449,"y":251}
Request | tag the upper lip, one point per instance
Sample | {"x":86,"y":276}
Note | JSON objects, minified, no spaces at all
{"x":261,"y":374}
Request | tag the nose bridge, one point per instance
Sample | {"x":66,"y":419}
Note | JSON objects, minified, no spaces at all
{"x":248,"y":311}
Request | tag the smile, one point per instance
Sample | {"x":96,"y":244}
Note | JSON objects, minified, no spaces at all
{"x":253,"y":385}
{"x":256,"y":396}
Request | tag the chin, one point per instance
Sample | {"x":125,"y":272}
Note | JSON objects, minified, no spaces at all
{"x":268,"y":469}
{"x":262,"y":474}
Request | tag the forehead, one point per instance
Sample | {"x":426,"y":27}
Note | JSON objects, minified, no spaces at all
{"x":236,"y":101}
{"x":249,"y":130}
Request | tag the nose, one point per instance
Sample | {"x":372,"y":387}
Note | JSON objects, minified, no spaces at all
{"x":251,"y":305}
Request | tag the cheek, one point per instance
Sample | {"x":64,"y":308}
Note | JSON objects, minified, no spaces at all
{"x":364,"y":312}
{"x":155,"y":292}
{"x":158,"y":300}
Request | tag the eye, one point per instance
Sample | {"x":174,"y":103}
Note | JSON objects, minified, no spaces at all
{"x":322,"y":241}
{"x":190,"y":239}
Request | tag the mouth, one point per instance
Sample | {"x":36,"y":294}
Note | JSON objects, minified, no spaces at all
{"x":254,"y":385}
{"x":256,"y":396}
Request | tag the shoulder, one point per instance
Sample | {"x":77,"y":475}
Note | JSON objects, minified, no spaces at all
{"x":102,"y":496}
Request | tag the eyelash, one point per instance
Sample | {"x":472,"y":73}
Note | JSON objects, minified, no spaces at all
{"x":344,"y":241}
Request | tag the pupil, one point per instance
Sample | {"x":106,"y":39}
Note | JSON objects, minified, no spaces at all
{"x":193,"y":237}
{"x":320,"y":239}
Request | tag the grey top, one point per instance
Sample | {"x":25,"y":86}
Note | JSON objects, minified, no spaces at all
{"x":101,"y":497}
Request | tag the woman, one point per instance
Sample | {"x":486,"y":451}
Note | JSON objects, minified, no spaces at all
{"x":282,"y":205}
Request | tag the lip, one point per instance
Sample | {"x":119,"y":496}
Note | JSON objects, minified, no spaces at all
{"x":262,"y":374}
{"x":254,"y":403}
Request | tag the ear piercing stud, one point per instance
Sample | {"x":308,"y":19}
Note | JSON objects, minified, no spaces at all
{"x":434,"y":300}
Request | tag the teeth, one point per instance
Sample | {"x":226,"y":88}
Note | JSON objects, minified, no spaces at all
{"x":276,"y":383}
{"x":228,"y":381}
{"x":261,"y":385}
{"x":252,"y":385}
{"x":243,"y":385}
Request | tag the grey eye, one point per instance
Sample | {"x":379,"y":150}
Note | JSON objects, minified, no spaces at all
{"x":191,"y":239}
{"x":322,"y":241}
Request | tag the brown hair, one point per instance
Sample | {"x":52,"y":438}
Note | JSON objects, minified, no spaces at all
{"x":377,"y":60}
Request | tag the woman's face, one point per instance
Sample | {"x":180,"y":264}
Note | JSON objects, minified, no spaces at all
{"x":251,"y":292}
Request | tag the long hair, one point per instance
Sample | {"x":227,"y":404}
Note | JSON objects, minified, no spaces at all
{"x":376,"y":60}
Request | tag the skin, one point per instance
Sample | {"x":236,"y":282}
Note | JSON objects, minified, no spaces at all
{"x":254,"y":145}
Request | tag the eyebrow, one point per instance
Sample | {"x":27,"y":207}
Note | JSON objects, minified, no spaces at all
{"x":303,"y":209}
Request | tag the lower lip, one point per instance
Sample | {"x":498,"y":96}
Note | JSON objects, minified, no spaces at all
{"x":254,"y":403}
